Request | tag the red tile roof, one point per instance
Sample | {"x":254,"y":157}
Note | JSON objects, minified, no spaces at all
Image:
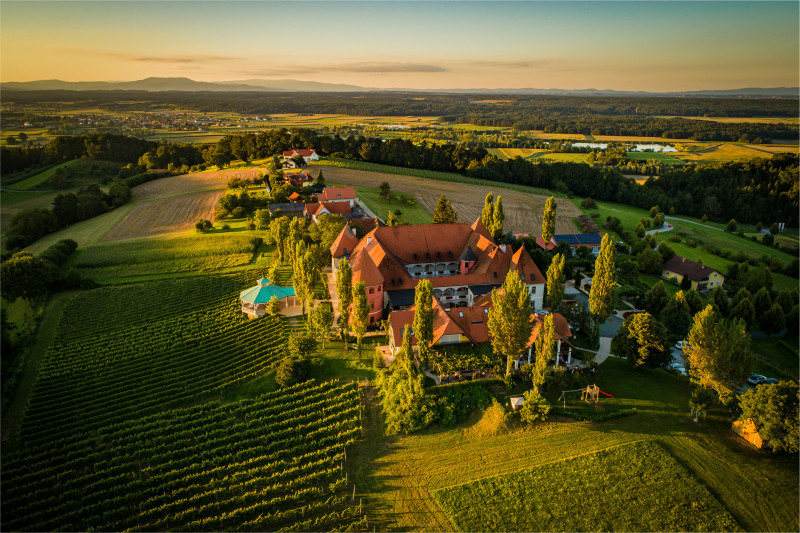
{"x":441,"y":243}
{"x":550,"y":245}
{"x":294,"y":197}
{"x":344,"y":243}
{"x":305,"y":152}
{"x":337,"y":193}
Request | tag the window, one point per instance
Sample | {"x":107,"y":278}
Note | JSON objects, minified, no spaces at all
{"x":371,"y":290}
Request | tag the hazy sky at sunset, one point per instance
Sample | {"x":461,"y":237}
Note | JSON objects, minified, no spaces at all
{"x":653,"y":46}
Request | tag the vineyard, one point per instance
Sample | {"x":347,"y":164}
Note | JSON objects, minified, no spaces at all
{"x":134,"y":350}
{"x":276,"y":462}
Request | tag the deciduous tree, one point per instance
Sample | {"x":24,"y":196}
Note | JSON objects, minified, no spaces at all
{"x":774,"y":411}
{"x":545,"y":343}
{"x":602,"y":292}
{"x":360,"y":313}
{"x":643,"y":340}
{"x":510,"y":320}
{"x":423,"y":319}
{"x":549,"y":219}
{"x":555,"y":282}
{"x":487,"y":215}
{"x":718,"y":353}
{"x":344,"y":292}
{"x":320,"y":321}
{"x":498,"y":219}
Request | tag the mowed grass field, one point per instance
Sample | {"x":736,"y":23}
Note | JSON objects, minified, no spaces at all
{"x":511,"y":153}
{"x":659,"y":157}
{"x":732,"y":152}
{"x":523,"y":210}
{"x":634,"y":487}
{"x":702,"y":462}
{"x":563,"y":157}
{"x":411,"y":211}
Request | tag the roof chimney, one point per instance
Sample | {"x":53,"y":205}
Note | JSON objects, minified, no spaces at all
{"x":369,"y":240}
{"x":503,"y":248}
{"x":683,"y":259}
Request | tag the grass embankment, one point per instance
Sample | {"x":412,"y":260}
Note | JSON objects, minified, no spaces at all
{"x":744,"y":481}
{"x":635,"y":487}
{"x":85,"y":232}
{"x":411,"y":212}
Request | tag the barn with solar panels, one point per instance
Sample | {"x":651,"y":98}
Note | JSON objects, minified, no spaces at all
{"x":575,"y":241}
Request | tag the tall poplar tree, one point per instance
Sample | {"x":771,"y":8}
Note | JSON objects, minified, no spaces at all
{"x":602,"y":294}
{"x":444,"y":212}
{"x":555,"y":282}
{"x":498,"y":219}
{"x":305,"y":277}
{"x":423,"y":319}
{"x":549,"y":219}
{"x":360,"y":313}
{"x":510,"y":319}
{"x":487,"y":215}
{"x":544,"y":351}
{"x":344,"y":292}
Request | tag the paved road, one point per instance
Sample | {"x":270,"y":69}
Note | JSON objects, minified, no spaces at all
{"x":659,"y":230}
{"x":691,"y":222}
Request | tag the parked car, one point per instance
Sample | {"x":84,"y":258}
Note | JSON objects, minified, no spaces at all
{"x":680,"y":344}
{"x":756,"y":379}
{"x":769,"y":381}
{"x":679,"y":367}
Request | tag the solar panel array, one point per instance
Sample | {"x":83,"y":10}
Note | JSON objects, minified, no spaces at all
{"x":589,"y":239}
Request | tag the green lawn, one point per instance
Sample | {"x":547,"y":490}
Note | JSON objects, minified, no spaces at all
{"x":400,"y":490}
{"x":654,"y":156}
{"x":781,"y":355}
{"x":563,"y":157}
{"x":635,"y":487}
{"x":37,"y":179}
{"x":412,"y":211}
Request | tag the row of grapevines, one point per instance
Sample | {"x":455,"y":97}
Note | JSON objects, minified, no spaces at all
{"x":274,"y":462}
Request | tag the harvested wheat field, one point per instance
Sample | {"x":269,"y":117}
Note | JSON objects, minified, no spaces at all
{"x":192,"y":182}
{"x":165,"y":215}
{"x":523,"y":210}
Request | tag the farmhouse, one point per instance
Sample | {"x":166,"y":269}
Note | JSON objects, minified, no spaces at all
{"x":299,"y":179}
{"x":255,"y":299}
{"x":701,"y":276}
{"x":295,"y":198}
{"x":575,"y":241}
{"x":462,"y":262}
{"x":338,"y":194}
{"x":313,"y":211}
{"x":309,"y":154}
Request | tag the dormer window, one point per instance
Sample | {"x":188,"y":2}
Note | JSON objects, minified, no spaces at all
{"x":460,"y":314}
{"x":415,"y":256}
{"x":495,"y":274}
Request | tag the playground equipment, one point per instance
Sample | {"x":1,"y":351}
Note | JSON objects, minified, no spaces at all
{"x":589,"y":394}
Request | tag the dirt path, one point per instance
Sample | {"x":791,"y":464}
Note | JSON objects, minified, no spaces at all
{"x":44,"y":336}
{"x":523,"y":210}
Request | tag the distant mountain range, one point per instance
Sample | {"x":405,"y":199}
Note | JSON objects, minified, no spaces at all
{"x":255,"y":85}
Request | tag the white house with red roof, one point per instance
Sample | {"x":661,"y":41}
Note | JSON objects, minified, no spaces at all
{"x":338,"y":194}
{"x":309,"y":154}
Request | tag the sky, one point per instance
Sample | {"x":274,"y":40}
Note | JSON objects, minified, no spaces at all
{"x":648,"y":46}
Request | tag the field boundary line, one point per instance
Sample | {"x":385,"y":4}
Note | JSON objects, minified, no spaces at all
{"x":45,"y":334}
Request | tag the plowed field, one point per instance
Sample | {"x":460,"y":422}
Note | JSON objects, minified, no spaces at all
{"x":165,"y":215}
{"x":192,"y":182}
{"x":523,"y":210}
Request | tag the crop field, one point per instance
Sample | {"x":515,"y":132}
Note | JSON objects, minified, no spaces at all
{"x":538,"y":134}
{"x":85,"y":232}
{"x":636,"y":487}
{"x":654,"y":156}
{"x":126,"y":351}
{"x":192,"y":182}
{"x":563,"y":157}
{"x":165,"y":215}
{"x":726,"y":152}
{"x":523,"y":210}
{"x":511,"y":153}
{"x":164,"y":257}
{"x":402,"y":490}
{"x":272,"y":463}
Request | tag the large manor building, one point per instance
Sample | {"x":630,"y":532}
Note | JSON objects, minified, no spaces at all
{"x":462,"y":262}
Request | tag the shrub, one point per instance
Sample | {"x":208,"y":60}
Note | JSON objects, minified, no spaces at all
{"x":534,"y":408}
{"x":238,"y":212}
{"x":203,"y":225}
{"x":291,"y":371}
{"x":588,"y":203}
{"x":377,"y":361}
